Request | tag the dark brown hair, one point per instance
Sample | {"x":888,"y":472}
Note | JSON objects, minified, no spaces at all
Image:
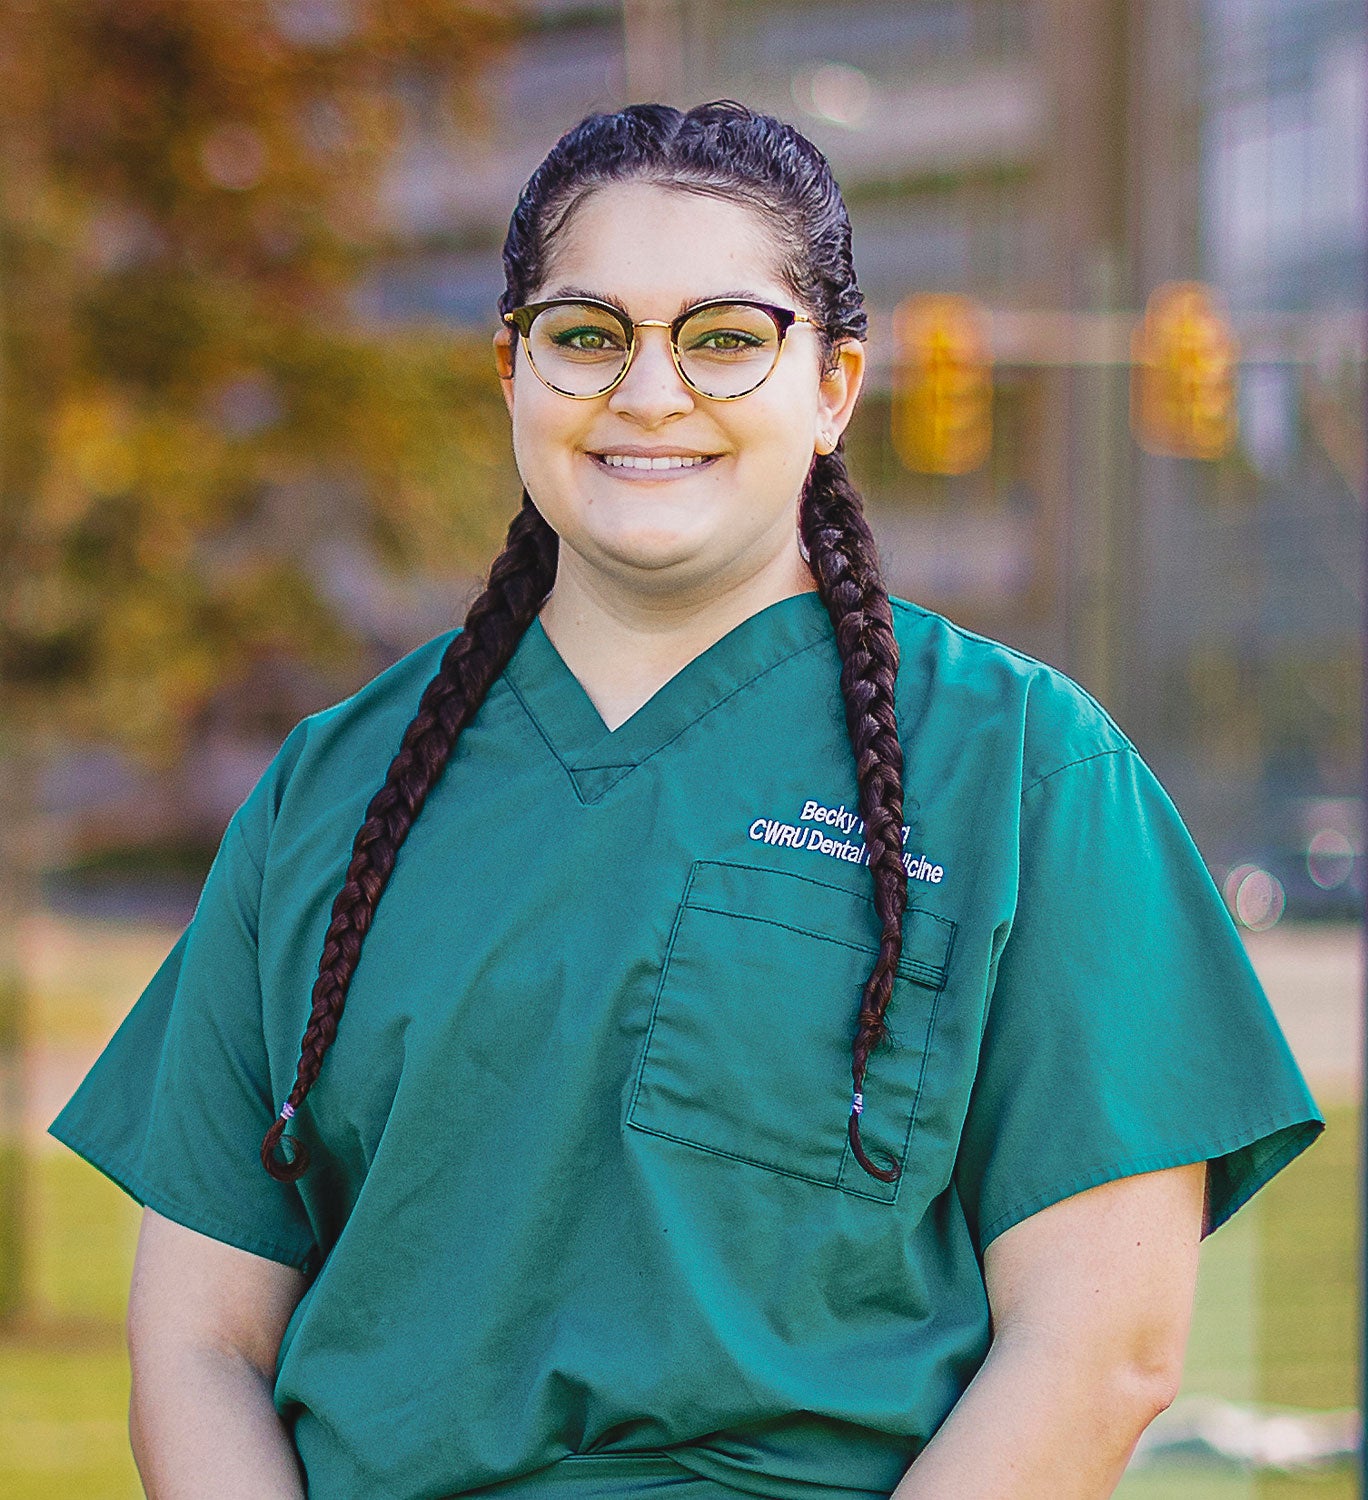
{"x":725,"y":150}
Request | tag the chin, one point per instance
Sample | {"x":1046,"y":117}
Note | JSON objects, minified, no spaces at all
{"x":650,"y":547}
{"x":658,"y":554}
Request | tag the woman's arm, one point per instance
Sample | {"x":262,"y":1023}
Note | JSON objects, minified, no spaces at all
{"x":1091,"y":1303}
{"x":205,"y":1322}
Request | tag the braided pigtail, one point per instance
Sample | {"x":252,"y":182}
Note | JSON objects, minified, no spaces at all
{"x":721,"y":149}
{"x":519,"y":580}
{"x":727,"y":150}
{"x":845,"y":564}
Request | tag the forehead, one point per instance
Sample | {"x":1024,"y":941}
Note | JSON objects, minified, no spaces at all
{"x":649,"y":245}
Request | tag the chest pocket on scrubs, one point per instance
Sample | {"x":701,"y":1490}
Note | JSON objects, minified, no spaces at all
{"x":748,"y":1050}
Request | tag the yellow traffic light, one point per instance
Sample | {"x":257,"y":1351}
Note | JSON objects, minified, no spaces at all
{"x":942,"y":384}
{"x":1184,"y":360}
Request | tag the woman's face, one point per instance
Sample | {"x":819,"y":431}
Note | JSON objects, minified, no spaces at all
{"x":656,"y":250}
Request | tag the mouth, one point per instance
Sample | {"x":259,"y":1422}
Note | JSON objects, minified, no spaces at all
{"x":670,"y":466}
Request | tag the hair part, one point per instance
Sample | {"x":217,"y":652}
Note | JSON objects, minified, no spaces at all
{"x":726,"y":150}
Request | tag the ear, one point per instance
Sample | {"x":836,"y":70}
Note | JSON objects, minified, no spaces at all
{"x":503,"y":360}
{"x":838,"y":394}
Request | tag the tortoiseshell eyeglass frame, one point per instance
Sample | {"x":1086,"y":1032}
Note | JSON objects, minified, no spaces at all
{"x":522,"y":318}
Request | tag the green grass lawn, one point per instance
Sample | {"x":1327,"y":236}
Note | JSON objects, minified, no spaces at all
{"x":64,"y":1387}
{"x":1275,"y":1321}
{"x":1276,"y":1316}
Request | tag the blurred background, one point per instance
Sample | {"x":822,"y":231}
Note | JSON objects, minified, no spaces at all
{"x":252,"y":449}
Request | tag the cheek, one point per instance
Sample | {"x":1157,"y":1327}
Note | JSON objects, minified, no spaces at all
{"x":544,"y":432}
{"x":785,"y":416}
{"x":777,"y":442}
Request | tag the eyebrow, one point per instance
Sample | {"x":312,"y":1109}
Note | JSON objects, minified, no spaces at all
{"x":742,"y":295}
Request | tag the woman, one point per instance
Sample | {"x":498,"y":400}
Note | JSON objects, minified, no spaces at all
{"x":799,"y":1048}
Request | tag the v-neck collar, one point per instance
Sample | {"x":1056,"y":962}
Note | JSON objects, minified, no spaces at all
{"x":595,"y":757}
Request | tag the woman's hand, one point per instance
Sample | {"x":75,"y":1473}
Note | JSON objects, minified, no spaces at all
{"x":1091,"y":1301}
{"x":205,"y":1321}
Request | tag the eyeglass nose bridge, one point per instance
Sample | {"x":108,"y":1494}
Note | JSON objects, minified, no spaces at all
{"x":632,"y":353}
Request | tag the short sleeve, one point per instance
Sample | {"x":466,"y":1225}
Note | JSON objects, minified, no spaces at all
{"x":175,"y":1107}
{"x":1126,"y":1029}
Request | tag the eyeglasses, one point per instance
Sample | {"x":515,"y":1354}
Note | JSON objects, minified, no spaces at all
{"x":722,"y":349}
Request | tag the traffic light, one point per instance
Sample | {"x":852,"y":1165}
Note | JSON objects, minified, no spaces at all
{"x":1183,"y":374}
{"x":942,"y":384}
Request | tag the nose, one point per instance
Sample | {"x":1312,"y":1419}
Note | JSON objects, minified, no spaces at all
{"x":651,"y":390}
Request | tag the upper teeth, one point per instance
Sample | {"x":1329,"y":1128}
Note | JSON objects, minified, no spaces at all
{"x":629,"y":461}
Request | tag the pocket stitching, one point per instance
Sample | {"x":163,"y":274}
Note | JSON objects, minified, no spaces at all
{"x":660,"y":985}
{"x":754,"y":1161}
{"x":926,"y":1059}
{"x":938,"y":989}
{"x":904,"y":964}
{"x":736,"y":864}
{"x":826,"y":885}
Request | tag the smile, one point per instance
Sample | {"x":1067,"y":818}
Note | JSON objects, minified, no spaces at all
{"x":633,"y":464}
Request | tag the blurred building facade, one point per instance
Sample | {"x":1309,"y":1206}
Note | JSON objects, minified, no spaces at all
{"x":1056,"y":162}
{"x":1260,"y":687}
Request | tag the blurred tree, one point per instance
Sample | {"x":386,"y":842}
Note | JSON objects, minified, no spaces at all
{"x":188,"y":196}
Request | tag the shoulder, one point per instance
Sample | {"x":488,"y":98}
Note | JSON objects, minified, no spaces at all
{"x":344,"y":750}
{"x":1042,"y":714}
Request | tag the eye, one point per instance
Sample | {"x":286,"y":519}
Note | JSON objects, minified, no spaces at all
{"x":587,"y":339}
{"x":730,"y":332}
{"x":727,"y":341}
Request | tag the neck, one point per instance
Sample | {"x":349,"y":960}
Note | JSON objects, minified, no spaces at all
{"x":624,"y":645}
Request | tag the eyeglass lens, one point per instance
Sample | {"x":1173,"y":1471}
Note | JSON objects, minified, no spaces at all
{"x":724,"y":350}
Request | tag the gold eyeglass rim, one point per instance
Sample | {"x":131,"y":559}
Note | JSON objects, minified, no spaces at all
{"x":784,"y":317}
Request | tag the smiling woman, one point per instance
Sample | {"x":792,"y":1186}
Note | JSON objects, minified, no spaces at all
{"x":792,"y":1045}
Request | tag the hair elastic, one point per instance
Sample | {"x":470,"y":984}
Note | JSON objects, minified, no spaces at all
{"x":857,"y":1104}
{"x":286,"y":1111}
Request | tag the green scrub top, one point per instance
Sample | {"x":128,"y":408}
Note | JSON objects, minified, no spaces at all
{"x":581,"y":1183}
